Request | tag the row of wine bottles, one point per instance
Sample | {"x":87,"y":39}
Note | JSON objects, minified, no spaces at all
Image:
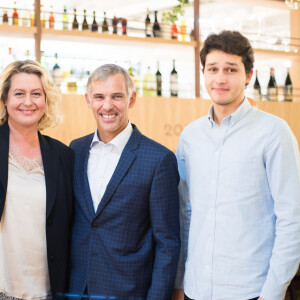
{"x":153,"y":82}
{"x":272,"y":88}
{"x":152,"y":29}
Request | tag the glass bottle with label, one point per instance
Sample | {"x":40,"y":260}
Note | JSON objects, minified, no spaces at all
{"x":94,"y":24}
{"x":158,"y":81}
{"x":288,"y":87}
{"x":124,"y":26}
{"x":51,"y":19}
{"x":5,"y":17}
{"x":15,"y":17}
{"x":272,"y":91}
{"x":115,"y":22}
{"x":256,"y":88}
{"x":104,"y":24}
{"x":149,"y":84}
{"x":75,"y":22}
{"x":32,"y":17}
{"x":85,"y":25}
{"x":174,"y":81}
{"x":174,"y":32}
{"x":156,"y":27}
{"x":65,"y":19}
{"x":147,"y":25}
{"x":57,"y":73}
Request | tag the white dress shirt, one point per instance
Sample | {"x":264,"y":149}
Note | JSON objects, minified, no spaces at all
{"x":102,"y":162}
{"x":240,"y":206}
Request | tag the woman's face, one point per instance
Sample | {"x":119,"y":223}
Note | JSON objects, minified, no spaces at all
{"x":26,"y":101}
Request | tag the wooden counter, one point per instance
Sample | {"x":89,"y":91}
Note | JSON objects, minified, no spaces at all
{"x":161,"y":119}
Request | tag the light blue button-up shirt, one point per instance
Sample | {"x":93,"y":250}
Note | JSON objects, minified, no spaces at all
{"x":240,"y":206}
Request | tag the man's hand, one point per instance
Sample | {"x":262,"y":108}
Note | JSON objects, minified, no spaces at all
{"x":178,"y":294}
{"x":260,"y":298}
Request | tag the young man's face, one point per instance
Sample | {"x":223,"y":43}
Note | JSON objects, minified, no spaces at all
{"x":225,"y":78}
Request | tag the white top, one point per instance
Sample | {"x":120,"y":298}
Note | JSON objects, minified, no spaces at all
{"x":23,"y":255}
{"x":103,"y":160}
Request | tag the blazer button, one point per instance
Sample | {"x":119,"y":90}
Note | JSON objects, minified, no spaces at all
{"x":49,"y":222}
{"x":52,"y":258}
{"x":94,"y":226}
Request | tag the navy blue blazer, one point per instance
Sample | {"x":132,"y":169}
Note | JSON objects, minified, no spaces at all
{"x":129,"y":248}
{"x":58,"y":168}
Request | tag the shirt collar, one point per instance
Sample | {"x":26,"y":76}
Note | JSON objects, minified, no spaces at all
{"x":119,"y":141}
{"x":235,"y":116}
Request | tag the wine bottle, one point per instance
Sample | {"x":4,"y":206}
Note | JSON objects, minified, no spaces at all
{"x":15,"y":16}
{"x":156,"y":27}
{"x":57,"y":72}
{"x":158,"y":81}
{"x":94,"y":24}
{"x":104,"y":24}
{"x":149,"y":84}
{"x":43,"y":19}
{"x":11,"y":58}
{"x":256,"y":88}
{"x":182,"y":27}
{"x":174,"y":81}
{"x":65,"y":19}
{"x":272,"y":91}
{"x":32,"y":18}
{"x":27,"y":54}
{"x":124,"y":26}
{"x":51,"y":20}
{"x":288,"y":87}
{"x":85,"y":25}
{"x":147,"y":25}
{"x":75,"y":22}
{"x":115,"y":22}
{"x":5,"y":17}
{"x":43,"y":60}
{"x":174,"y":32}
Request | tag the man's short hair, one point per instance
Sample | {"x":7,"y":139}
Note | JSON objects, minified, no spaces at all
{"x":231,"y":42}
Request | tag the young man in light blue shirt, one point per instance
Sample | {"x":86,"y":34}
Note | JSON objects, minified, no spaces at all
{"x":239,"y":188}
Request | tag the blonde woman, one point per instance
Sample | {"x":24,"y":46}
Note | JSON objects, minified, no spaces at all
{"x":36,"y":196}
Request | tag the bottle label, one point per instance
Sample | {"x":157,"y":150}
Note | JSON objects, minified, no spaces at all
{"x":272,"y":94}
{"x":256,"y":94}
{"x":174,"y":84}
{"x":158,"y":83}
{"x":288,"y":93}
{"x":148,"y":29}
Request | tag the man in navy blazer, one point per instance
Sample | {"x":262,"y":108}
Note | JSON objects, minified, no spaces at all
{"x":125,"y":241}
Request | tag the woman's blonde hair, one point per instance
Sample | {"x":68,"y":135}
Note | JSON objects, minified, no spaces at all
{"x":52,"y":115}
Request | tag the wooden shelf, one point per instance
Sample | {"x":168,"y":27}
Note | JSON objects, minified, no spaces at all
{"x":17,"y":29}
{"x":75,"y":34}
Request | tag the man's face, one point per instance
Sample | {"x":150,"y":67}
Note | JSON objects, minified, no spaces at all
{"x":110,"y":104}
{"x":225,"y":78}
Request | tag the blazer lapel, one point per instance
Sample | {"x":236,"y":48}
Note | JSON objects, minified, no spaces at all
{"x":4,"y":148}
{"x":50,"y":157}
{"x":87,"y":204}
{"x":127,"y":158}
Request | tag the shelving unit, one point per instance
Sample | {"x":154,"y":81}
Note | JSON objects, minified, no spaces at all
{"x":40,"y":35}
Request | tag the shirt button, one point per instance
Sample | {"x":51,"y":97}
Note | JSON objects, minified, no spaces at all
{"x":207,"y":267}
{"x":211,"y":209}
{"x":209,"y":238}
{"x":216,"y":152}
